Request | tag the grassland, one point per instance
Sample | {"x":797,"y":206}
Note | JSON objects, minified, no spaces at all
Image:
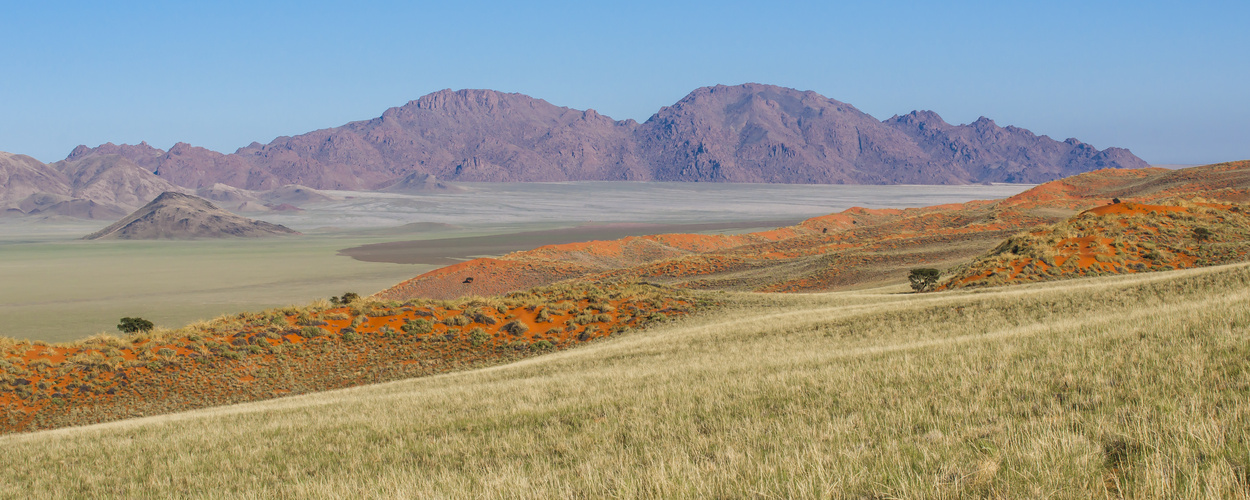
{"x":1132,"y":386}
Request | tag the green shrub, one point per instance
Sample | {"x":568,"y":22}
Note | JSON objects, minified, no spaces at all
{"x":167,"y":352}
{"x":135,"y":325}
{"x":478,"y":336}
{"x":346,"y":299}
{"x":1202,"y":234}
{"x":460,"y":320}
{"x":418,"y":326}
{"x":313,"y":331}
{"x":543,"y":345}
{"x":350,"y":335}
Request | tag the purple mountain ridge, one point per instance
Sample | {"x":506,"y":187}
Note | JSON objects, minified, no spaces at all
{"x":741,"y":133}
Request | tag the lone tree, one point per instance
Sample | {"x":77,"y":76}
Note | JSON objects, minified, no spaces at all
{"x":134,"y":325}
{"x":923,"y":278}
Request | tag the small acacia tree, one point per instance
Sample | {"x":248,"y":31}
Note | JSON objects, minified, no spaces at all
{"x":134,"y":325}
{"x":923,"y":278}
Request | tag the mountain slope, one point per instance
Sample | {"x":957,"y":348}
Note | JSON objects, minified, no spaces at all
{"x":22,"y":176}
{"x":113,"y":179}
{"x":742,"y":133}
{"x":174,"y":215}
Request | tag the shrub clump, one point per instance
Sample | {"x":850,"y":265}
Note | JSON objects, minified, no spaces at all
{"x":314,"y":331}
{"x":346,"y":299}
{"x":514,"y":328}
{"x":135,"y":325}
{"x":418,"y":326}
{"x":478,"y":336}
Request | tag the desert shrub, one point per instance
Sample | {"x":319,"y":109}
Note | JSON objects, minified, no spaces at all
{"x":657,"y":317}
{"x":418,"y":326}
{"x":387,"y":331}
{"x":479,"y":317}
{"x":478,"y":336}
{"x":460,"y":320}
{"x":336,"y":316}
{"x":378,"y":313}
{"x":923,"y":278}
{"x":350,"y":335}
{"x":586,"y":334}
{"x":135,"y":325}
{"x":1202,"y":234}
{"x":166,"y":352}
{"x":603,"y":318}
{"x":514,"y":328}
{"x":501,"y":309}
{"x":313,"y":331}
{"x":358,"y":320}
{"x":451,"y":335}
{"x":543,"y":316}
{"x":543,"y":345}
{"x":553,"y":332}
{"x":345,"y":299}
{"x":268,"y":334}
{"x":582,"y":319}
{"x":520,"y":345}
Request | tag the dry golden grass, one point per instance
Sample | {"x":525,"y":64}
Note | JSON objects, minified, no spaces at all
{"x":1133,"y":386}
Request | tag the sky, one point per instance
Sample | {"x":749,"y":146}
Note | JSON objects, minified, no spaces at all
{"x":1171,"y":82}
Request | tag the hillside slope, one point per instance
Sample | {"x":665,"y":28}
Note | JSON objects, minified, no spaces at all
{"x":1111,"y":387}
{"x":856,"y":248}
{"x":1117,"y":238}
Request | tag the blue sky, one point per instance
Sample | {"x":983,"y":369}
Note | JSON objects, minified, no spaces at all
{"x":1170,"y":82}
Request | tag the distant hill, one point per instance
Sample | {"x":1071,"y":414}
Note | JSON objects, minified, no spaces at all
{"x":742,"y":133}
{"x":174,"y":215}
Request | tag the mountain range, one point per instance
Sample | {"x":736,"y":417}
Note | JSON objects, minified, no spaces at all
{"x":742,"y":133}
